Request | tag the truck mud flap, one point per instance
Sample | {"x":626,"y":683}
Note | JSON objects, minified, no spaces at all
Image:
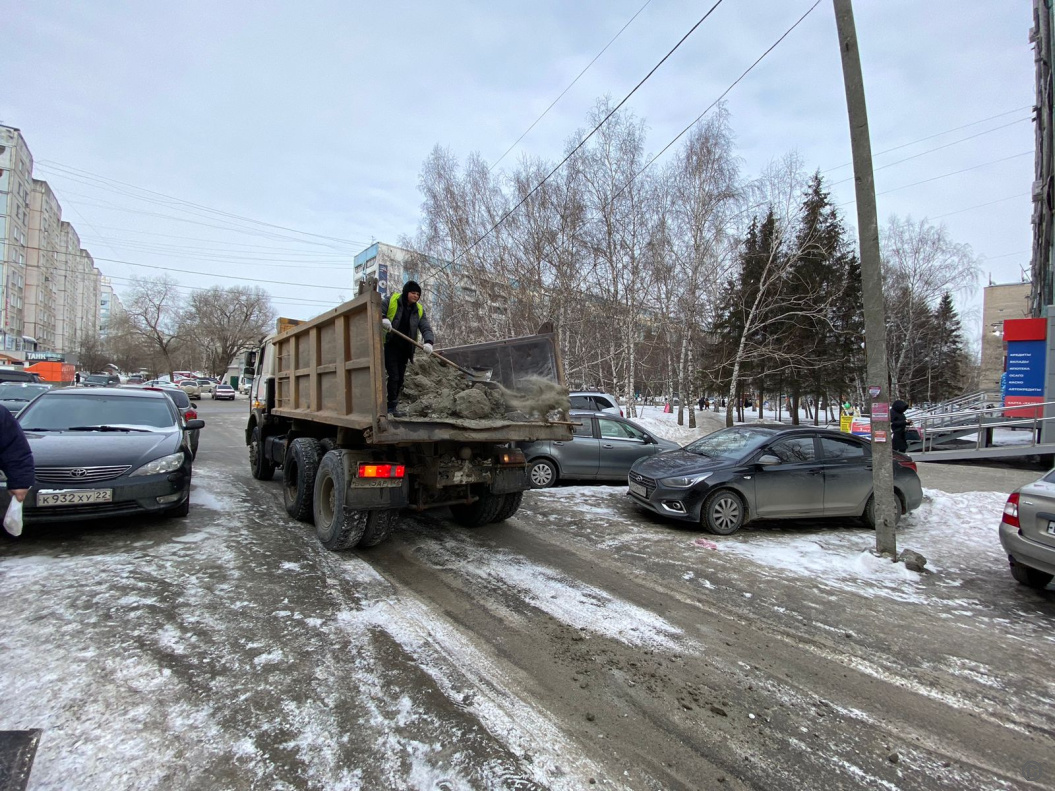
{"x":510,"y":479}
{"x":366,"y":498}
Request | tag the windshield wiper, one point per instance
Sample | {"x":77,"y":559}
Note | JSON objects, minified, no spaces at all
{"x":41,"y":429}
{"x":13,"y":399}
{"x":106,"y":428}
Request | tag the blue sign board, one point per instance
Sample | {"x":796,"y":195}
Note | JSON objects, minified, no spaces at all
{"x":1025,"y":368}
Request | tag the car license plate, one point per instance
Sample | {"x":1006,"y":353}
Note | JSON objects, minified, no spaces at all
{"x":638,"y":489}
{"x":46,"y":497}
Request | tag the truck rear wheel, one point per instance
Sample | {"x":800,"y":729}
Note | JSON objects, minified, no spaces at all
{"x":510,"y":505}
{"x":479,"y":513}
{"x":299,"y":470}
{"x":261,"y":468}
{"x":379,"y":526}
{"x":336,"y":527}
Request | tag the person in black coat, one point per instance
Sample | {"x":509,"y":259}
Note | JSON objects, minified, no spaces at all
{"x":898,"y":422}
{"x":16,"y":458}
{"x":406,"y":314}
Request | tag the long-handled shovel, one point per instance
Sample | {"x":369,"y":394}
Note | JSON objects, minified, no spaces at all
{"x":476,"y":376}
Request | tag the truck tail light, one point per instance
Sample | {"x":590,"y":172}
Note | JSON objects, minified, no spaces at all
{"x":382,"y":470}
{"x":512,"y":456}
{"x":1011,"y":510}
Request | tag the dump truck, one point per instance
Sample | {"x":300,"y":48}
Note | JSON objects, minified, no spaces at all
{"x":317,"y":412}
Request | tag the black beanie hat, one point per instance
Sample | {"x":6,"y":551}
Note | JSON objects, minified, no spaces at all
{"x":411,"y":286}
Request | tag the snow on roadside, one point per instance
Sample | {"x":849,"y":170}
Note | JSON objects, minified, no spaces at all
{"x":957,"y":533}
{"x":570,"y":601}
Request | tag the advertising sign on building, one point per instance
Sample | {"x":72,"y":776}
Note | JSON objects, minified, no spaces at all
{"x":1026,"y":362}
{"x":382,"y":280}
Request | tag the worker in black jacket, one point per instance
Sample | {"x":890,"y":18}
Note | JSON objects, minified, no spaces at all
{"x":898,"y":422}
{"x":406,"y":314}
{"x":16,"y":459}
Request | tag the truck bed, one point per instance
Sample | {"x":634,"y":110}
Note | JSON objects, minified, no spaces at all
{"x":331,"y":370}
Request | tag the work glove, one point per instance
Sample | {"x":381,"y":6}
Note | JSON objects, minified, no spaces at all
{"x":428,"y":348}
{"x":386,"y":324}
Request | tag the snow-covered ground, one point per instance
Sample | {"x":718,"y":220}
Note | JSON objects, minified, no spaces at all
{"x":955,"y":532}
{"x":231,"y":651}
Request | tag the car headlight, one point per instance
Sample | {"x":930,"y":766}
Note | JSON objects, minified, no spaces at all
{"x":169,"y":463}
{"x":685,"y":481}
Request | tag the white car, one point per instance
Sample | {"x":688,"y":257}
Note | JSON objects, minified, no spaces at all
{"x":595,"y":401}
{"x":222,"y":391}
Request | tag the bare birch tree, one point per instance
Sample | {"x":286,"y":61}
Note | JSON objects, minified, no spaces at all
{"x":920,"y":264}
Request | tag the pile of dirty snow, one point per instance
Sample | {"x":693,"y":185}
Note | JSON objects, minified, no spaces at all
{"x":434,"y":390}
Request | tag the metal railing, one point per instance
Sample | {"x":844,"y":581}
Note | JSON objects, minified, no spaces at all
{"x":971,"y":401}
{"x":934,"y":429}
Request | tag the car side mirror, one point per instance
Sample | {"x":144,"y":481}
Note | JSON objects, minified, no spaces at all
{"x":768,"y":460}
{"x":193,"y":424}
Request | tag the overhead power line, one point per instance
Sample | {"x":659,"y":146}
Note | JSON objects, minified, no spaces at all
{"x":981,"y":205}
{"x":582,"y":142}
{"x":946,"y":175}
{"x":193,"y":272}
{"x":936,"y":134}
{"x":714,"y":104}
{"x":271,"y":262}
{"x":932,"y":150}
{"x":60,"y":168}
{"x":570,"y":85}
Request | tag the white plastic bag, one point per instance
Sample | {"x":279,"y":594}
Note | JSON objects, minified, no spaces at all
{"x":13,"y":518}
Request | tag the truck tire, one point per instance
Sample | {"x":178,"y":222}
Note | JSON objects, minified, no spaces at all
{"x":298,"y":485}
{"x":379,"y":526}
{"x":336,"y":527}
{"x":262,"y":469}
{"x":510,"y":505}
{"x":479,"y":513}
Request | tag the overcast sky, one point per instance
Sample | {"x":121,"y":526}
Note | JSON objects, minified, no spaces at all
{"x":317,"y":115}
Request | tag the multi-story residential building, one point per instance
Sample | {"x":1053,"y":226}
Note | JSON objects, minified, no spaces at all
{"x":391,"y":265}
{"x":44,"y":262}
{"x":456,"y":298}
{"x":110,"y":306}
{"x":50,"y":290}
{"x":16,"y":175}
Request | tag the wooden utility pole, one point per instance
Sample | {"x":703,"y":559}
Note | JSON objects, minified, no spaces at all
{"x":886,"y":507}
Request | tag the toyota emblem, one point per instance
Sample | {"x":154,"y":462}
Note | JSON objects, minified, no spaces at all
{"x":80,"y":472}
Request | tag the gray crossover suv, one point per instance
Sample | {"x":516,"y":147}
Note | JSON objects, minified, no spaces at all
{"x":603,"y":448}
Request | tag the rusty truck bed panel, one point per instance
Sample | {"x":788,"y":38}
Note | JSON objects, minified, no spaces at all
{"x":331,"y":370}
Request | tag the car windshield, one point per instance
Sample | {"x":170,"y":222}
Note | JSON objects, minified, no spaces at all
{"x":63,"y":412}
{"x":12,"y":391}
{"x":731,"y":443}
{"x":98,"y":379}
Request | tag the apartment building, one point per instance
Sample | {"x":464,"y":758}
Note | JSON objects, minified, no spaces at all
{"x":449,"y":289}
{"x":44,"y":260}
{"x":110,"y":306}
{"x":16,"y":175}
{"x":51,"y":293}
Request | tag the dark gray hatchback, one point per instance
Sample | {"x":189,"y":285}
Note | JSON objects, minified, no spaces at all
{"x":730,"y":477}
{"x":603,"y":447}
{"x":105,"y":452}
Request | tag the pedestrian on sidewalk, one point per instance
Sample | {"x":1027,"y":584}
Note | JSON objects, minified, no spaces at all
{"x":898,"y":422}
